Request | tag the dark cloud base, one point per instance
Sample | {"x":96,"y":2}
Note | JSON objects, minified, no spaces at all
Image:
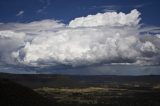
{"x":88,"y":70}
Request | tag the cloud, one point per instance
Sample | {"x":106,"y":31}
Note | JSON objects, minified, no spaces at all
{"x":113,"y":8}
{"x":142,"y":5}
{"x":107,"y":19}
{"x":32,"y":27}
{"x":9,"y":41}
{"x":20,"y":13}
{"x":45,"y":4}
{"x":104,"y":38}
{"x":107,"y":8}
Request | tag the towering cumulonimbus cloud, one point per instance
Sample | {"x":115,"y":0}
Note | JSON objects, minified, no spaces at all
{"x":104,"y":38}
{"x":107,"y":19}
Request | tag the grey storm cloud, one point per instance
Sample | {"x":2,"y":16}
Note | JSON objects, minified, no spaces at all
{"x":104,"y":38}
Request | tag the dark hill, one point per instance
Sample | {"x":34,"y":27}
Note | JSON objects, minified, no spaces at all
{"x":13,"y":94}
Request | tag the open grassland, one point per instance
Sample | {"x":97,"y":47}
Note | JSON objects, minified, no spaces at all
{"x":137,"y":96}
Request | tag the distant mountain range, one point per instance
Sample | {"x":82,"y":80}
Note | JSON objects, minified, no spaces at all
{"x":53,"y":80}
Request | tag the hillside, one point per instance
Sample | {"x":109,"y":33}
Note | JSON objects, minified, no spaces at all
{"x":13,"y":94}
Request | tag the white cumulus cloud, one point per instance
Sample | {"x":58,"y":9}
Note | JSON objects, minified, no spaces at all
{"x":104,"y":38}
{"x":107,"y":19}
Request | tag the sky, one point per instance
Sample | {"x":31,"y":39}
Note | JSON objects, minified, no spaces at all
{"x":80,"y":37}
{"x":66,"y":10}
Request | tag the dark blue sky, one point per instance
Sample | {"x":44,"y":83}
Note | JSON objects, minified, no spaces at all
{"x":66,"y":10}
